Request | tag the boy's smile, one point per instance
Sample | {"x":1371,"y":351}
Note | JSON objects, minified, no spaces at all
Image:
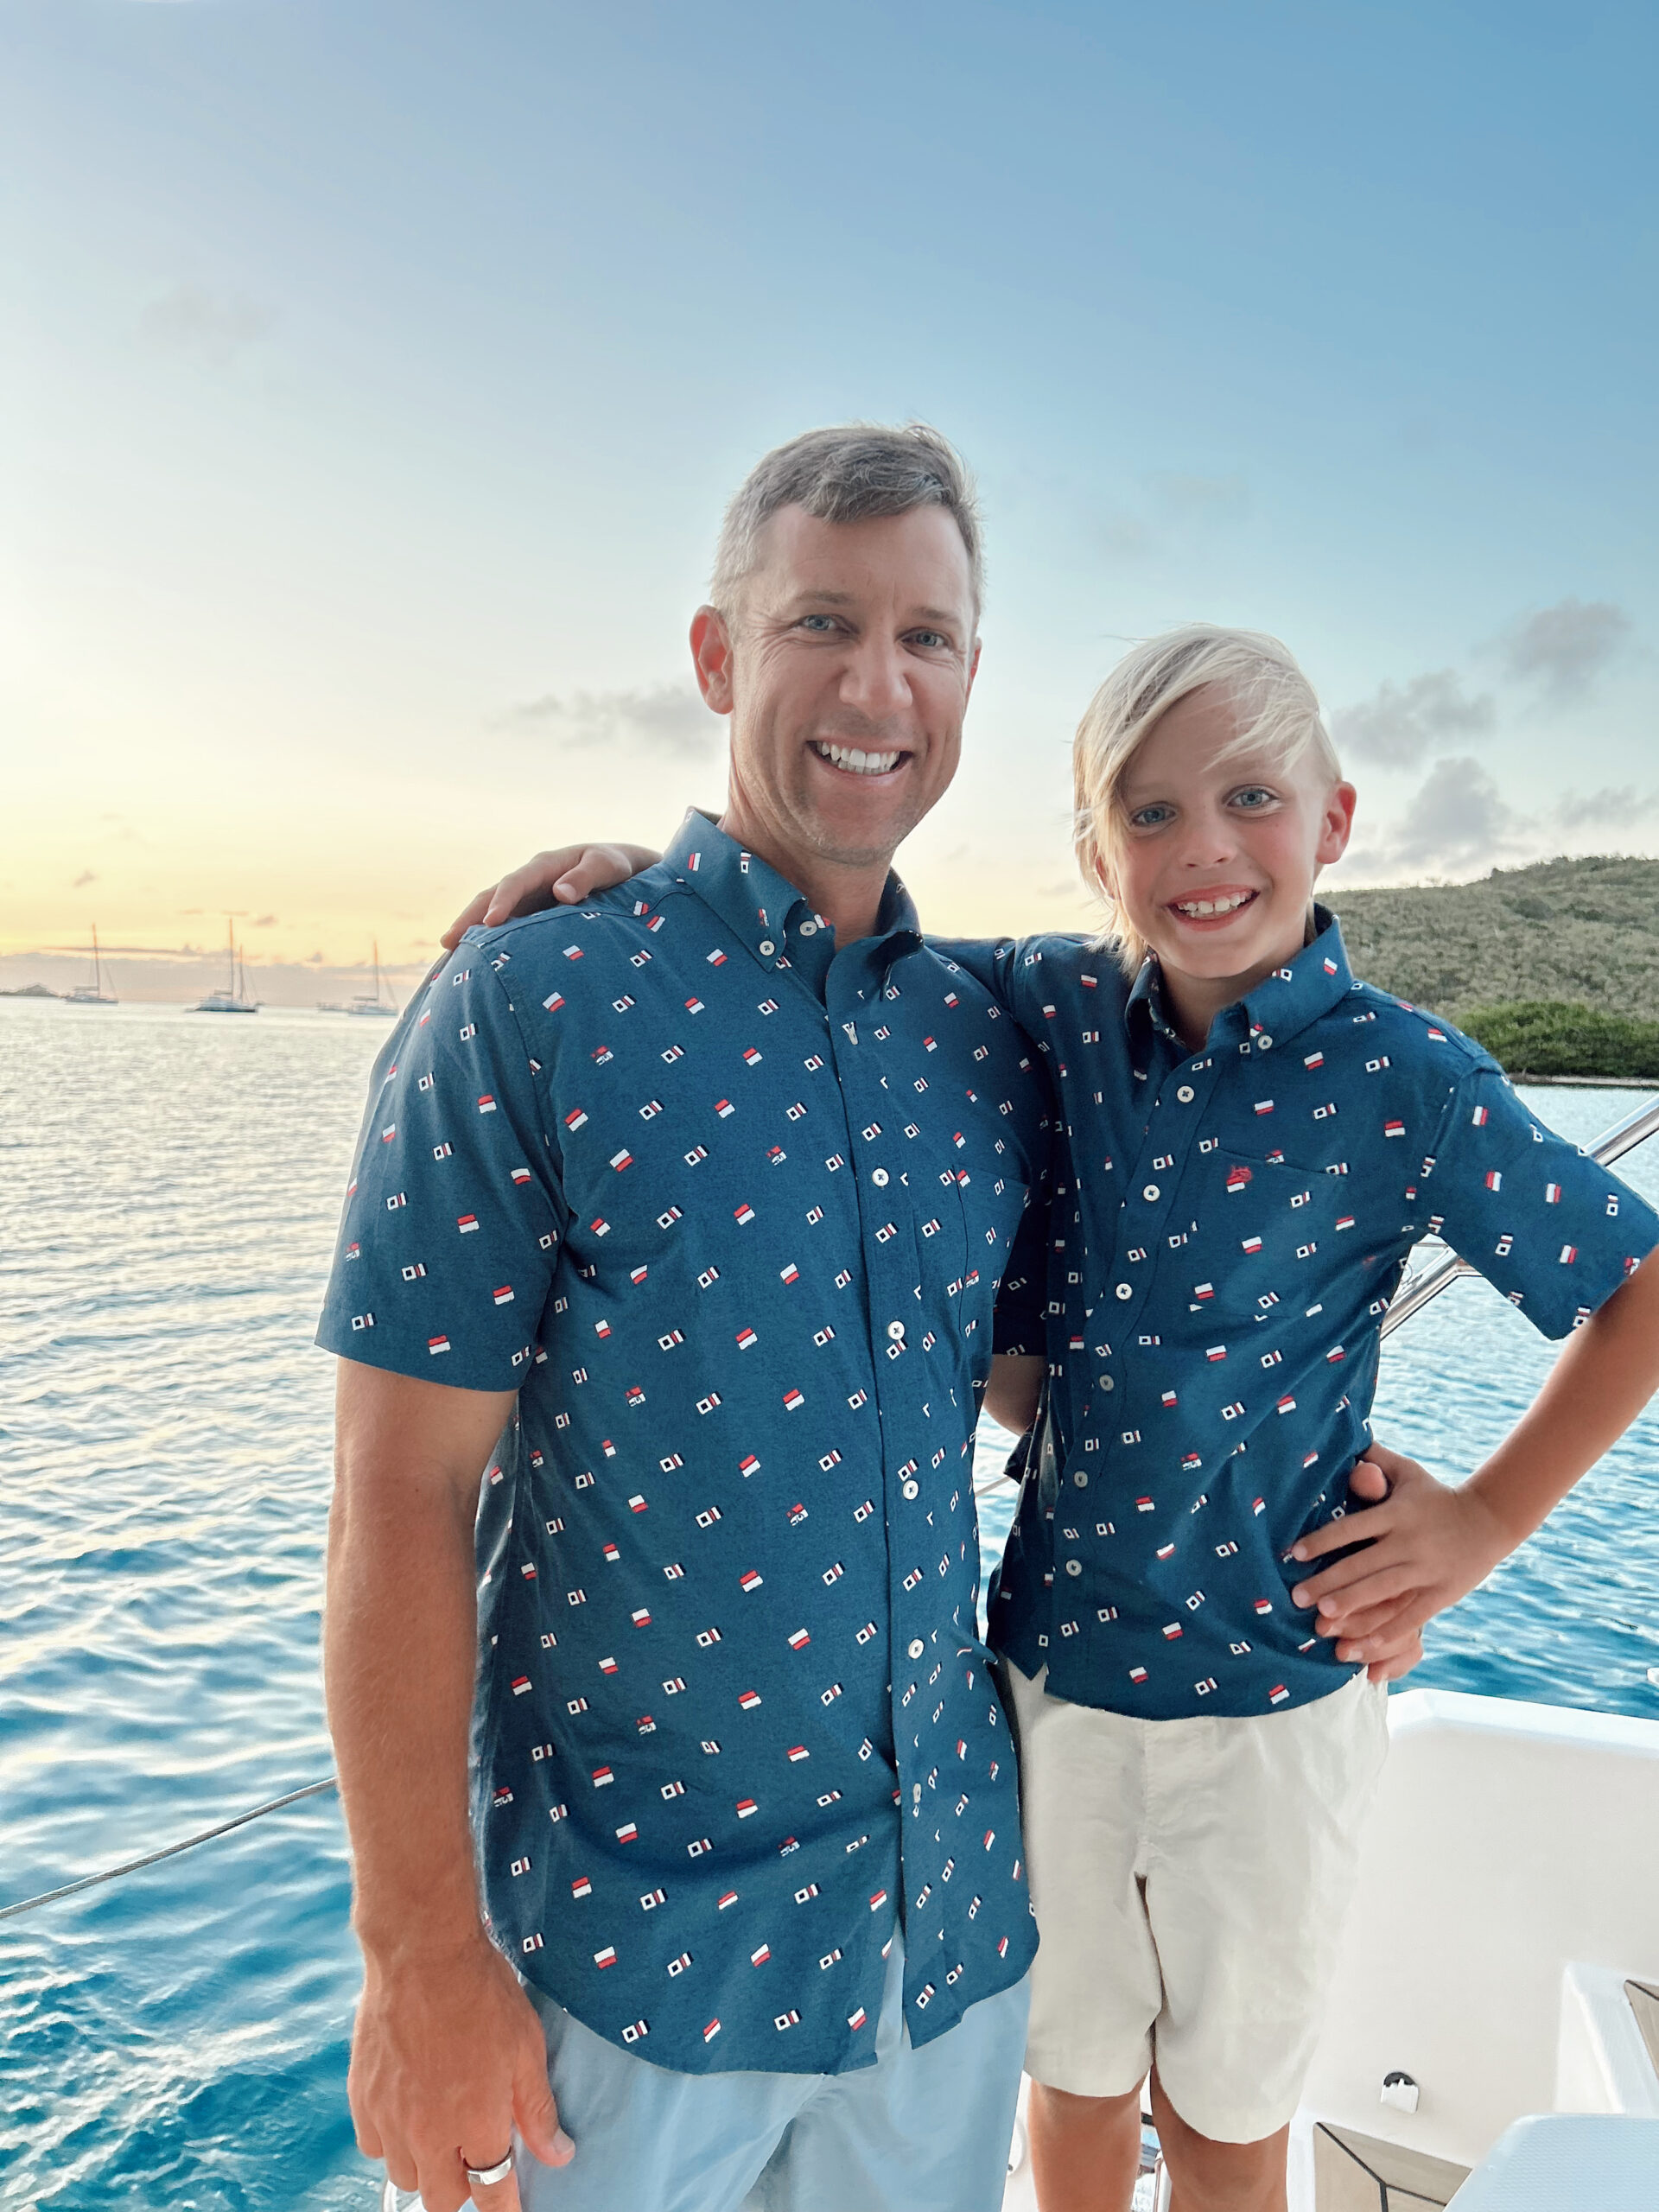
{"x":1218,"y":853}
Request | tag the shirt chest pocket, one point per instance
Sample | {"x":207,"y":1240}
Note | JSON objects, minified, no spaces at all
{"x":1262,"y":1234}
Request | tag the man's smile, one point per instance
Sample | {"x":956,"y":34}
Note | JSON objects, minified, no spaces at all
{"x":855,"y":760}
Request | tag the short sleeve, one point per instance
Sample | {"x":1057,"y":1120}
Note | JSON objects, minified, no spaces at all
{"x":1553,"y":1231}
{"x":453,"y":1218}
{"x":989,"y":960}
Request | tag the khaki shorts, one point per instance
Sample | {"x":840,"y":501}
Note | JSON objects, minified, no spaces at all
{"x":1189,"y":1879}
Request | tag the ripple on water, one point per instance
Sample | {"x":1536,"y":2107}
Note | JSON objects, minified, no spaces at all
{"x":180,"y":2038}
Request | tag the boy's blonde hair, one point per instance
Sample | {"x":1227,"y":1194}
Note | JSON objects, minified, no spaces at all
{"x":1277,"y":714}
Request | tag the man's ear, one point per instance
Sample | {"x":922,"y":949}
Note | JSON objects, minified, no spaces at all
{"x":711,"y":656}
{"x":1336,"y":824}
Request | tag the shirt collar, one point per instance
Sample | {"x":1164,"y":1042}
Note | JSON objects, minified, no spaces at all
{"x":763,"y":908}
{"x":1280,"y":1006}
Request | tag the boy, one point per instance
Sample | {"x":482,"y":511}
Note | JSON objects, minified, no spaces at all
{"x":1256,"y":1141}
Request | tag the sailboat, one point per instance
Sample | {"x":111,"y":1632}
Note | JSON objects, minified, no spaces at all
{"x":372,"y":1003}
{"x":234,"y":998}
{"x":92,"y":994}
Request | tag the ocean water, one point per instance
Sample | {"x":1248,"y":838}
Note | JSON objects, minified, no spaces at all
{"x":179,"y":2039}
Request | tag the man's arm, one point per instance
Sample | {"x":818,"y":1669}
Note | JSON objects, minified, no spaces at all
{"x":1433,"y":1544}
{"x":448,"y":2053}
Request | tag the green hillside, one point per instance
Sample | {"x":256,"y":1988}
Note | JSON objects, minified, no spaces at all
{"x":1583,"y":931}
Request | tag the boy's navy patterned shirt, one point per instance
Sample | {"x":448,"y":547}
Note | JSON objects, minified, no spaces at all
{"x":729,"y":1209}
{"x":1236,"y":1222}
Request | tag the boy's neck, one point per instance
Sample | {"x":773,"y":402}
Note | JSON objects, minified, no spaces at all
{"x":1192,"y":1002}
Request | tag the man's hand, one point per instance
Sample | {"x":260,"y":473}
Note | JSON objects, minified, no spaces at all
{"x":562,"y":878}
{"x":447,"y":2058}
{"x":1426,"y":1546}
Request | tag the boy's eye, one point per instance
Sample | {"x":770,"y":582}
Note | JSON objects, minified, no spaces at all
{"x":1254,"y":797}
{"x":1151,"y":817}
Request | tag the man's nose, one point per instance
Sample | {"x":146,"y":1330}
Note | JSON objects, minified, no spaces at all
{"x":876,"y":681}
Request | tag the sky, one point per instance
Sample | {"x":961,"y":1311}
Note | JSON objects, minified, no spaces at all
{"x":372,"y":377}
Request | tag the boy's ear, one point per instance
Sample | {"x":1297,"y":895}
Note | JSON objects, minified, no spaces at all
{"x":1336,"y":825}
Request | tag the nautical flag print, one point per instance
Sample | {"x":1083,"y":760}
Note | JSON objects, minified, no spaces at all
{"x":746,"y":1369}
{"x":1221,"y":1261}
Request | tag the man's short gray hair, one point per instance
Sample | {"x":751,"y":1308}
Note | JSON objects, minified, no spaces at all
{"x":854,"y":471}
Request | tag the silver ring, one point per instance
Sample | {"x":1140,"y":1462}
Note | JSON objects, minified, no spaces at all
{"x":486,"y":2176}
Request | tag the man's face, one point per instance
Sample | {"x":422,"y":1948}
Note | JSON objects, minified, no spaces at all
{"x":1218,"y":857}
{"x":845,"y":670}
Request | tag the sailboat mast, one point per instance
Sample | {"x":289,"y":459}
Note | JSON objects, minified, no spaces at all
{"x":98,"y":970}
{"x":375,"y":942}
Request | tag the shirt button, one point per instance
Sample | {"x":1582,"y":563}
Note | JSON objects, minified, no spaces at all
{"x":1081,"y":1479}
{"x":768,"y":946}
{"x":895,"y":1328}
{"x":810,"y":929}
{"x":917,"y":1647}
{"x":915,"y":1792}
{"x":1264,"y":1044}
{"x":1108,"y":1382}
{"x":1184,"y":1094}
{"x":1150,"y":1194}
{"x":911,"y":1489}
{"x":879,"y":1177}
{"x":1074,"y":1566}
{"x":1124,"y":1290}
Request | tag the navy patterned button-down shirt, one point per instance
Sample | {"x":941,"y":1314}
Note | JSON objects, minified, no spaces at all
{"x":729,"y":1209}
{"x":1236,"y":1221}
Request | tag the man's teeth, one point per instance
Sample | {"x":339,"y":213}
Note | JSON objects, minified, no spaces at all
{"x":1198,"y":908}
{"x":850,"y":757}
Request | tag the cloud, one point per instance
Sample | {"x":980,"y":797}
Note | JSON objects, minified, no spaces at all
{"x":1402,"y":724}
{"x":265,"y":922}
{"x":1199,"y":499}
{"x":1183,"y":505}
{"x":1456,"y":823}
{"x":1564,"y":648}
{"x":88,"y":875}
{"x":667,"y":718}
{"x":218,"y":325}
{"x":1614,"y":807}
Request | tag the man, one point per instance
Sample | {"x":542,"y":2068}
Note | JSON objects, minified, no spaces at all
{"x":682,"y":1215}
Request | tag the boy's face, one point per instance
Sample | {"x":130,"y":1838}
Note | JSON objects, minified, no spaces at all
{"x":1218,"y":857}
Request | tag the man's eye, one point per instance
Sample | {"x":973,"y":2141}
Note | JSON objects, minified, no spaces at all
{"x":932,"y":640}
{"x":819,"y":623}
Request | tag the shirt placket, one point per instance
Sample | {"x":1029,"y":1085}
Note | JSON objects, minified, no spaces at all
{"x":896,"y":1326}
{"x":1146,"y":1238}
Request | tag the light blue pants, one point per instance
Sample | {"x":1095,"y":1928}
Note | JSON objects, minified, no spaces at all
{"x":920,"y":2131}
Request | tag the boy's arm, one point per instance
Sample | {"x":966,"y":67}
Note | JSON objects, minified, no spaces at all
{"x":1432,"y":1544}
{"x":563,"y":877}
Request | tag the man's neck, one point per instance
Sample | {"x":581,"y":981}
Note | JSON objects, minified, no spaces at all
{"x":847,"y":898}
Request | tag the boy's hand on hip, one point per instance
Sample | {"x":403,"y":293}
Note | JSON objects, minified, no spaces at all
{"x":1425,"y":1546}
{"x":448,"y":2057}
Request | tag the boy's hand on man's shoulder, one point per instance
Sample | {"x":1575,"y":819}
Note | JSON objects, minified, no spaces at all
{"x":563,"y":877}
{"x":1425,"y":1546}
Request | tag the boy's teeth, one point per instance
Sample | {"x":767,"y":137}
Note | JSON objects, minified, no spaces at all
{"x":851,"y":757}
{"x":1198,"y":908}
